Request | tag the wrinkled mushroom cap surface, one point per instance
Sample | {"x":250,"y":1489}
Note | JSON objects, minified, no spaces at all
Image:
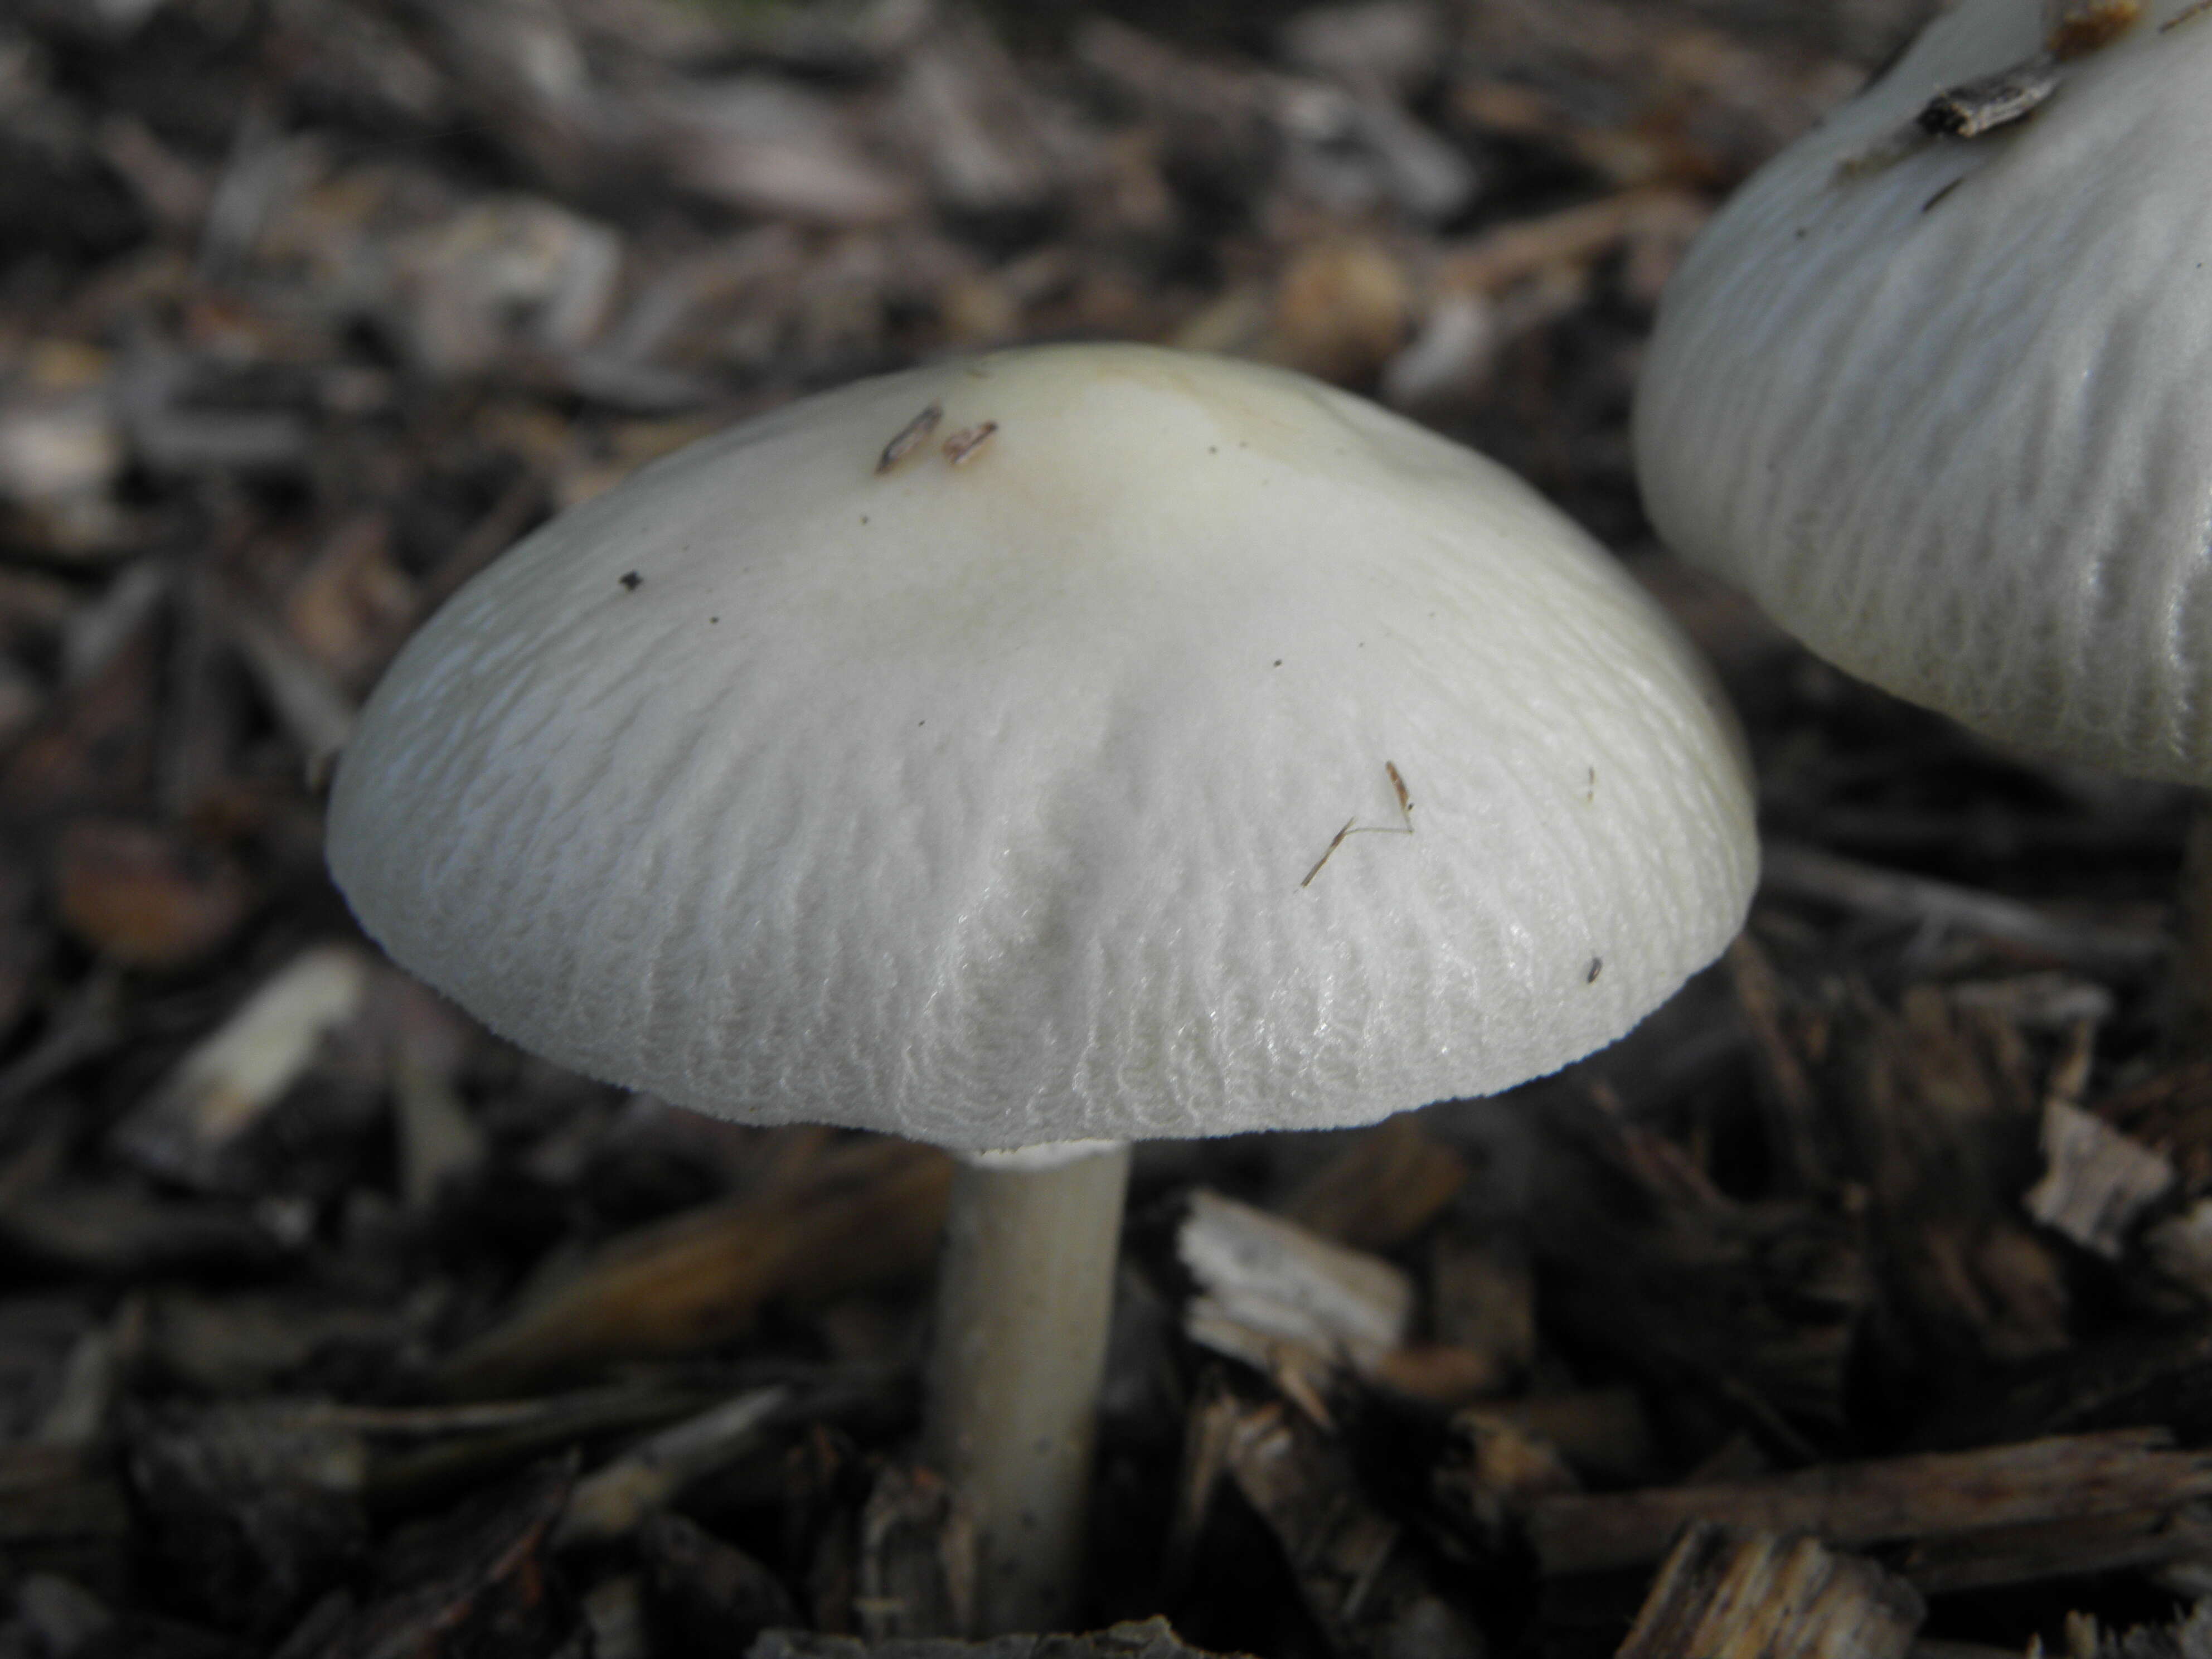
{"x":976,"y":801}
{"x":1943,"y":405}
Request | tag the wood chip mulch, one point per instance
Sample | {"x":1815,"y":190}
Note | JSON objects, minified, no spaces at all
{"x":1861,"y":1301}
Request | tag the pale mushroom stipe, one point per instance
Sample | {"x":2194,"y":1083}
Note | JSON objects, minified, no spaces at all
{"x":1935,"y":387}
{"x":1078,"y":743}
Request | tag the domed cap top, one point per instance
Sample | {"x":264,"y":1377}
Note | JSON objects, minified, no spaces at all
{"x":1085,"y":742}
{"x":1943,"y":403}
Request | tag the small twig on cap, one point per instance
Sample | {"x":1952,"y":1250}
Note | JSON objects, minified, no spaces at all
{"x":2077,"y":29}
{"x":910,"y":438}
{"x":1353,"y":827}
{"x":1974,"y":107}
{"x":965,"y":442}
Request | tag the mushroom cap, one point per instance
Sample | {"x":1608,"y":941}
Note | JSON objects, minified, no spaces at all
{"x":1943,"y":405}
{"x":976,"y":801}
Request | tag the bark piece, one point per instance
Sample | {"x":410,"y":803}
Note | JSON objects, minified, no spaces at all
{"x":1208,"y":1429}
{"x":1272,"y":1290}
{"x":613,"y":1500}
{"x":422,"y":1456}
{"x":1601,"y":1432}
{"x":1730,"y":1596}
{"x":1356,"y":1570}
{"x":2097,"y":1181}
{"x":1504,"y":1470}
{"x":1440,"y":1374}
{"x":1918,"y":1496}
{"x":867,"y":1214}
{"x":233,"y":1077}
{"x":2067,"y":1546}
{"x":917,"y":1559}
{"x":2190,"y":1637}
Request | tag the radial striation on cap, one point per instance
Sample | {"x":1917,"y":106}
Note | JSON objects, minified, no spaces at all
{"x":1943,"y":404}
{"x":1075,"y":742}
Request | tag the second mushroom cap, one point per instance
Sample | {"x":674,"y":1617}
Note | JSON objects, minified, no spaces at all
{"x":1935,"y":387}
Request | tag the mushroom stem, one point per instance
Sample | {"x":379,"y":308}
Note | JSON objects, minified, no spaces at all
{"x":1024,"y":1295}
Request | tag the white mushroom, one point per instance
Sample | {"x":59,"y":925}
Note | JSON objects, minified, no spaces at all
{"x":1071,"y":744}
{"x":1935,"y":387}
